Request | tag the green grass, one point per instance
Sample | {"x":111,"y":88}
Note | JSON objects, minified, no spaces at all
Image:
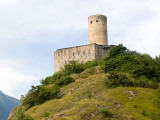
{"x":87,"y":97}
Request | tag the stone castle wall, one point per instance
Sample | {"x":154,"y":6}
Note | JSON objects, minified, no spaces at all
{"x":82,"y":53}
{"x":96,"y":49}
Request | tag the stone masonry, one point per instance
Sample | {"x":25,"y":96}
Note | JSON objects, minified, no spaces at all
{"x":96,"y":49}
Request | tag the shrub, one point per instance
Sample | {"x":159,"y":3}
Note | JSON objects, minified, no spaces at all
{"x":40,"y":94}
{"x":64,"y":81}
{"x":47,"y":80}
{"x":105,"y":113}
{"x":90,"y":64}
{"x":47,"y":93}
{"x":52,"y":79}
{"x":31,"y":97}
{"x":22,"y":116}
{"x":144,"y":113}
{"x":116,"y":79}
{"x":72,"y":67}
{"x":57,"y":76}
{"x":92,"y":70}
{"x":46,"y":114}
{"x":120,"y":49}
{"x":139,"y":66}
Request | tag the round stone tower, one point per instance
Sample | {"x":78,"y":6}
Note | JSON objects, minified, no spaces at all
{"x":98,"y":29}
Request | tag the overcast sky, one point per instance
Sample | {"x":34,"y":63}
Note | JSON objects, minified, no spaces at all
{"x":31,"y":30}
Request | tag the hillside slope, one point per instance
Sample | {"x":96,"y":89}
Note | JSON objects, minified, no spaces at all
{"x":89,"y":99}
{"x":122,"y":86}
{"x":7,"y":103}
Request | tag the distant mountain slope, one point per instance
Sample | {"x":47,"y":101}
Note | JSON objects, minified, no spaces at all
{"x":7,"y":103}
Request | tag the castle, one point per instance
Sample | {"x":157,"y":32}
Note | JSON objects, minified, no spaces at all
{"x":96,"y":49}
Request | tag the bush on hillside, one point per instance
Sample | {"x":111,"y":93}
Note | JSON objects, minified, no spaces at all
{"x":116,"y":79}
{"x":64,"y":81}
{"x":136,"y":64}
{"x":40,"y":94}
{"x":72,"y":67}
{"x":47,"y":80}
{"x":118,"y":50}
{"x":105,"y":113}
{"x":90,"y":64}
{"x":52,"y":79}
{"x":22,"y":116}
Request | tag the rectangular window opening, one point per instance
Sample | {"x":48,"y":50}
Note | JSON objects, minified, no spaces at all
{"x":84,"y":52}
{"x":96,"y":20}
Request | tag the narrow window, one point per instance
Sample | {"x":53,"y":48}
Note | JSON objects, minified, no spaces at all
{"x":91,"y":22}
{"x":73,"y":53}
{"x":78,"y":53}
{"x":89,"y":51}
{"x":96,"y":20}
{"x":58,"y":53}
{"x":84,"y":52}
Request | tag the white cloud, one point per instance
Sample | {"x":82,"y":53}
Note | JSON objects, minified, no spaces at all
{"x":135,"y":23}
{"x":13,"y":82}
{"x":7,"y":2}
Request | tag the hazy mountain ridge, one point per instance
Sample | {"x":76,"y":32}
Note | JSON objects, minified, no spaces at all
{"x":7,"y":103}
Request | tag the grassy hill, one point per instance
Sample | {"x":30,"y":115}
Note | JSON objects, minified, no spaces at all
{"x":123,"y":86}
{"x":89,"y":98}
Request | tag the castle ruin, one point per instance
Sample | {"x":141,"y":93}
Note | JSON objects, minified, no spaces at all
{"x":96,"y":49}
